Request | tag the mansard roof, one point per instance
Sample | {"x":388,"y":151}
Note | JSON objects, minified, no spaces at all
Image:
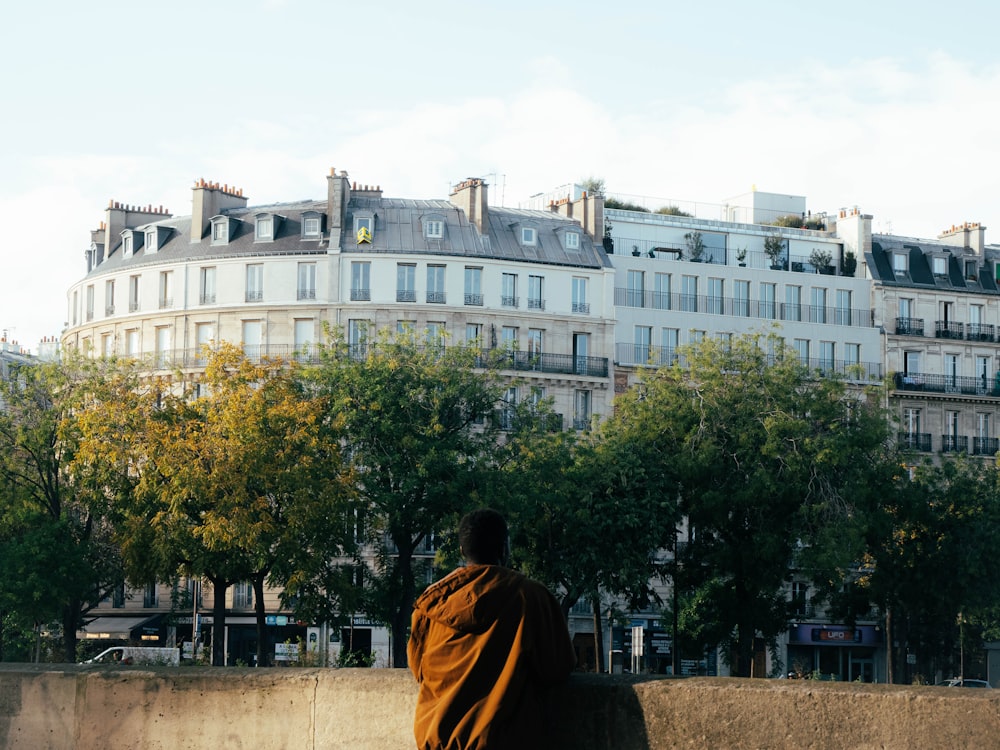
{"x":919,"y":258}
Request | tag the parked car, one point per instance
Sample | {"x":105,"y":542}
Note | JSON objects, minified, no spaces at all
{"x":965,"y":682}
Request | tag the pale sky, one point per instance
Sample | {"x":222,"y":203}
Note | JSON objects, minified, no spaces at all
{"x":893,"y":107}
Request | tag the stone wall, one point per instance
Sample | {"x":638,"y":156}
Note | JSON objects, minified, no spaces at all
{"x":195,"y":708}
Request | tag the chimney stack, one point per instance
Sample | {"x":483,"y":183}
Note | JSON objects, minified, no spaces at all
{"x":210,"y":199}
{"x":471,"y":196}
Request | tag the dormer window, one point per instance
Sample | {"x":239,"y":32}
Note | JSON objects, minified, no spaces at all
{"x":364,"y":229}
{"x":127,"y":245}
{"x":940,"y":265}
{"x":528,"y":236}
{"x":220,"y":230}
{"x":150,"y":242}
{"x":971,"y":272}
{"x":312,"y":225}
{"x":434,"y":229}
{"x":572,"y":240}
{"x":265,"y":227}
{"x":900,"y":263}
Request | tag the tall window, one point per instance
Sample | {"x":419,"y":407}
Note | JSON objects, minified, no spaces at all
{"x":826,"y":356}
{"x":357,"y":338}
{"x":635,"y":289}
{"x":507,"y":410}
{"x":109,"y":297}
{"x":255,"y":282}
{"x":951,"y":371}
{"x":802,"y":349}
{"x":473,"y":286}
{"x":166,"y":289}
{"x":843,"y":313}
{"x":669,"y":341}
{"x":581,"y":352}
{"x":206,"y":285}
{"x":435,"y":284}
{"x":643,"y":339}
{"x":150,"y":596}
{"x":768,"y":305}
{"x":474,"y":334}
{"x":163,"y":344}
{"x":793,"y":302}
{"x":911,"y":421}
{"x":406,"y":274}
{"x":661,"y":291}
{"x":580,"y":303}
{"x":133,"y":293}
{"x":508,"y":290}
{"x":741,"y":298}
{"x":534,"y":341}
{"x":90,"y":302}
{"x":581,"y":410}
{"x":360,"y":278}
{"x":852,"y":354}
{"x":132,"y":342}
{"x":982,"y":373}
{"x":242,"y":595}
{"x":535,"y":299}
{"x":715,"y":296}
{"x":204,"y":333}
{"x":508,"y":337}
{"x":305,"y":337}
{"x":307,"y":281}
{"x":818,"y":307}
{"x":689,"y":293}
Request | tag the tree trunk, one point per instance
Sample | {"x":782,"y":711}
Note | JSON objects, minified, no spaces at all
{"x":263,"y":652}
{"x":70,"y":623}
{"x":404,"y":609}
{"x":219,"y":587}
{"x":598,"y":636}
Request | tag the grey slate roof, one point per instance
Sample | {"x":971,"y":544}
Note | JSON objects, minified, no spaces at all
{"x":398,"y":226}
{"x":920,"y":273}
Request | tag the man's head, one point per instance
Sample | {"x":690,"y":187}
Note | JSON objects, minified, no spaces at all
{"x":482,"y":536}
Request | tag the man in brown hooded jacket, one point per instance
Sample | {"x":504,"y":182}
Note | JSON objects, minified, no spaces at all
{"x":485,"y":642}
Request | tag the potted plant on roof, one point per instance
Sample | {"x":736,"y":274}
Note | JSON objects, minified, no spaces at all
{"x":850,"y":263}
{"x":695,"y":246}
{"x":741,"y":256}
{"x":820,"y":259}
{"x":774,"y":246}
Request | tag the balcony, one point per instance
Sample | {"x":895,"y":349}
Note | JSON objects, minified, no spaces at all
{"x":984,"y":446}
{"x":109,"y":310}
{"x":946,"y":329}
{"x":406,"y":295}
{"x":133,"y":306}
{"x":473,"y":299}
{"x":362,"y":295}
{"x":581,"y":307}
{"x":915,"y":441}
{"x":742,"y":307}
{"x":305,"y":294}
{"x":566,"y":364}
{"x":166,"y":303}
{"x":954,"y":444}
{"x":536,"y":304}
{"x":508,"y":301}
{"x":979,"y":332}
{"x":435,"y":298}
{"x":935,"y":383}
{"x":206,"y":298}
{"x":254,"y":295}
{"x":909,"y":326}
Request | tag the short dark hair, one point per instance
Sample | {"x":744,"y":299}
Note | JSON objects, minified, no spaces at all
{"x":482,"y":535}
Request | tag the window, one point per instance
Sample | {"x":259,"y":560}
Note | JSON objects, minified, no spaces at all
{"x":109,"y":297}
{"x":107,"y":344}
{"x":741,"y":301}
{"x":715,"y":296}
{"x":900,"y":263}
{"x":360,"y":275}
{"x":534,"y":341}
{"x":843,"y":311}
{"x":508,"y":337}
{"x":127,"y":245}
{"x":435,"y":284}
{"x":528,"y":235}
{"x":982,"y":425}
{"x":911,"y":421}
{"x":163,"y":344}
{"x":242,"y":595}
{"x":90,"y":302}
{"x":150,"y":242}
{"x":802,"y":349}
{"x":265,"y":228}
{"x":982,"y":373}
{"x":911,"y":363}
{"x":951,"y":372}
{"x":826,"y":356}
{"x":357,"y":338}
{"x":312,"y":225}
{"x":940,"y":266}
{"x":474,"y":334}
{"x":473,"y":286}
{"x":696,"y":337}
{"x":166,"y":289}
{"x":689,"y":293}
{"x":852,"y":354}
{"x":220,"y":231}
{"x":635,"y":289}
{"x":535,"y":299}
{"x":951,"y":440}
{"x":508,"y":290}
{"x":133,"y":293}
{"x":793,"y":303}
{"x":206,"y":285}
{"x":307,"y":281}
{"x":572,"y":240}
{"x":507,"y":410}
{"x":406,"y":274}
{"x":436,"y":335}
{"x":818,"y":307}
{"x":580,"y":304}
{"x":799,"y":600}
{"x":132,"y":342}
{"x":971,"y":272}
{"x":305,"y":337}
{"x":363,"y":230}
{"x":118,"y":596}
{"x":150,"y":596}
{"x":434,"y":229}
{"x":661,"y":291}
{"x":253,"y":339}
{"x":670,"y":339}
{"x":74,"y":307}
{"x":643,"y":340}
{"x":255,"y":282}
{"x":768,"y":306}
{"x":204,"y":333}
{"x":581,"y":410}
{"x":581,"y":352}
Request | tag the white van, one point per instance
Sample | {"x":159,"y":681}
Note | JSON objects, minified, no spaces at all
{"x":138,"y":655}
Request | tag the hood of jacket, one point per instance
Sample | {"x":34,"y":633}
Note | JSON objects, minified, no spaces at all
{"x":472,"y":598}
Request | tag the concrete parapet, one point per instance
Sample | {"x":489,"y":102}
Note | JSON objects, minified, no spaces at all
{"x":191,"y":708}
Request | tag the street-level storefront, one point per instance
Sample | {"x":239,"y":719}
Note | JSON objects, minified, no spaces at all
{"x":840,"y":652}
{"x":655,"y":655}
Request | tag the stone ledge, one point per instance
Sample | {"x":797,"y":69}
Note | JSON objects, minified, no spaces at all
{"x":195,"y":708}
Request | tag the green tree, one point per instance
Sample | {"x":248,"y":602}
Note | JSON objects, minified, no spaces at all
{"x":422,"y":439}
{"x":236,"y":484}
{"x":56,"y":553}
{"x":767,"y":461}
{"x":672,"y":210}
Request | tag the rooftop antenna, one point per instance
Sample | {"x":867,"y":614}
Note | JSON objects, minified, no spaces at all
{"x":502,"y":179}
